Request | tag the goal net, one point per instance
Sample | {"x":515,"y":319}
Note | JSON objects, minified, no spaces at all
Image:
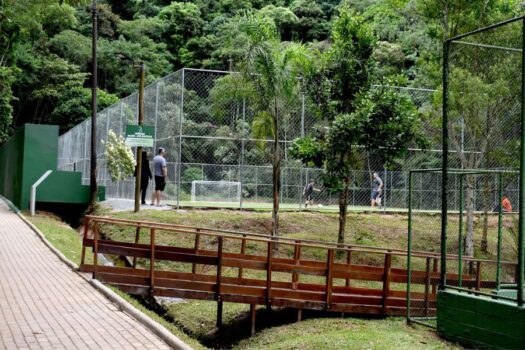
{"x":215,"y":191}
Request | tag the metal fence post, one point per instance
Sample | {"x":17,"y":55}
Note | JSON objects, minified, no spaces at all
{"x":180,"y":138}
{"x":522,"y":174}
{"x":444,"y":182}
{"x":243,"y":138}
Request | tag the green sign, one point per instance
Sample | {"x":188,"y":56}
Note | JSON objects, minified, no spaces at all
{"x":140,"y":135}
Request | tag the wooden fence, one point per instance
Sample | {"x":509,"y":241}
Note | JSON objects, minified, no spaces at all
{"x":264,"y":271}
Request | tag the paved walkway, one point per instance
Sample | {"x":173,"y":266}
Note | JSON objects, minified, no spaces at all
{"x":45,"y":305}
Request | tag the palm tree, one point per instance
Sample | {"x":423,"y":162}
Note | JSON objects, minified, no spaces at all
{"x":272,"y":68}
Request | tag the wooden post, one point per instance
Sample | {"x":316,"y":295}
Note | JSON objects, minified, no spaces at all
{"x":435,"y":269}
{"x":297,"y":261}
{"x":243,"y":251}
{"x":269,"y":275}
{"x":196,"y":247}
{"x":152,"y":261}
{"x":349,"y":263}
{"x":478,"y":275}
{"x":252,"y":318}
{"x":219,"y":282}
{"x":427,"y":286}
{"x":328,"y":287}
{"x":137,"y":238}
{"x":95,"y":249}
{"x":83,"y":254}
{"x":386,"y":280}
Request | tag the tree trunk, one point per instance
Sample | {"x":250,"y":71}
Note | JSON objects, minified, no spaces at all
{"x":276,"y":183}
{"x":469,"y":206}
{"x":343,"y":206}
{"x":486,"y":193}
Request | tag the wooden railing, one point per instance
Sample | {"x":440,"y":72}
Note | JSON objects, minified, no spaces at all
{"x":343,"y":282}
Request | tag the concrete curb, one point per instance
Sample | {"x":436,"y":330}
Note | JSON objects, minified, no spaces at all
{"x":158,"y":329}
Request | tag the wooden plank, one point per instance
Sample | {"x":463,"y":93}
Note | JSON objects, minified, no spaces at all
{"x":239,"y":263}
{"x":243,"y":251}
{"x":435,"y":271}
{"x":306,"y":270}
{"x":95,"y":249}
{"x":329,"y":268}
{"x":359,"y":275}
{"x":187,"y":285}
{"x":297,"y":258}
{"x":137,"y":237}
{"x":297,"y":295}
{"x":478,"y":275}
{"x":349,"y":263}
{"x":152,"y":260}
{"x":122,"y":279}
{"x":83,"y":253}
{"x":298,"y":304}
{"x":244,"y":290}
{"x":269,"y":274}
{"x":219,"y":268}
{"x":386,"y":280}
{"x":196,"y":248}
{"x":427,"y":286}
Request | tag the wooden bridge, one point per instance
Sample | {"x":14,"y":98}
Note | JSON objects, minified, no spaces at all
{"x":201,"y":263}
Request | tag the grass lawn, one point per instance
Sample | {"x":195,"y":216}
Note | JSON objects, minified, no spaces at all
{"x":346,"y":333}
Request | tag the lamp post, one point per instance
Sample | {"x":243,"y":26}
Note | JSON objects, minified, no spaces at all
{"x":93,"y":163}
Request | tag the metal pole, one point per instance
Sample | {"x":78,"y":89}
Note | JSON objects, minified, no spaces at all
{"x":385,"y":177}
{"x":500,"y":229}
{"x":138,"y":174}
{"x":241,"y":170}
{"x":409,"y":244}
{"x":460,"y":236}
{"x":93,"y":166}
{"x":180,"y":138}
{"x":156,"y":115}
{"x":302,"y":115}
{"x":521,"y":231}
{"x":444,"y":182}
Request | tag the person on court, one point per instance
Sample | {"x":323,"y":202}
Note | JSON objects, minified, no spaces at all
{"x":308,"y":193}
{"x":377,"y":189}
{"x":161,"y":174}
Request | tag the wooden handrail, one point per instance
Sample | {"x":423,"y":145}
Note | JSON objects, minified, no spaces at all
{"x":281,"y":240}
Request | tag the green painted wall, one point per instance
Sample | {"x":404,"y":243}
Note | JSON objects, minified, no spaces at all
{"x":26,"y":157}
{"x":479,"y":321}
{"x":11,"y":160}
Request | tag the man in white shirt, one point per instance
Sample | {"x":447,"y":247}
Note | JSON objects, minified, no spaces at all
{"x":161,"y":174}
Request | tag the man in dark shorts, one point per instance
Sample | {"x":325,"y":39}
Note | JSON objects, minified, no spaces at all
{"x":308,"y":193}
{"x":377,"y":188}
{"x":161,"y":174}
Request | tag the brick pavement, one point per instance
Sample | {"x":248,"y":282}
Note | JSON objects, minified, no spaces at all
{"x":45,"y":305}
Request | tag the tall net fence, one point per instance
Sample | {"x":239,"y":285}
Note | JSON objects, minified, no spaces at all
{"x":483,"y":114}
{"x":205,"y":124}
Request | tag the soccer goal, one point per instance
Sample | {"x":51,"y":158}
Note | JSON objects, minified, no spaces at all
{"x":215,"y":191}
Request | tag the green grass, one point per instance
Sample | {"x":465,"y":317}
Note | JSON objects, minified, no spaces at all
{"x":346,"y":333}
{"x":60,"y":235}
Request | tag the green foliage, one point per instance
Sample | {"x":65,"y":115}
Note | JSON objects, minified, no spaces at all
{"x":119,"y":157}
{"x":6,"y":96}
{"x":75,"y":107}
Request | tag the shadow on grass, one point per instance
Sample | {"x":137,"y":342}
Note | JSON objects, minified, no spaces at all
{"x":239,"y":328}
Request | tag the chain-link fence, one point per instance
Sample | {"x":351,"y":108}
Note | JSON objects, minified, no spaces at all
{"x":205,"y":125}
{"x":482,"y":120}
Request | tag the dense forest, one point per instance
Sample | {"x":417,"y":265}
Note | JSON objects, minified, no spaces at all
{"x":45,"y":45}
